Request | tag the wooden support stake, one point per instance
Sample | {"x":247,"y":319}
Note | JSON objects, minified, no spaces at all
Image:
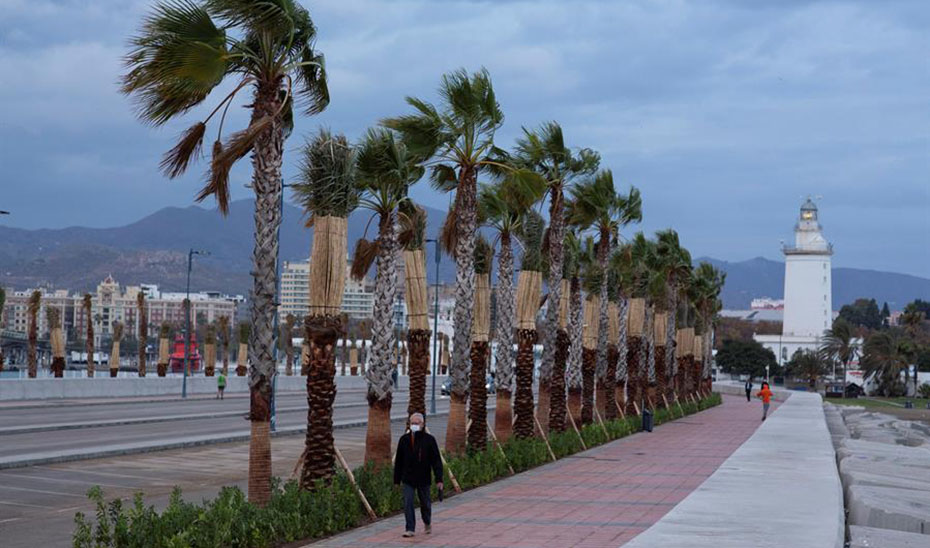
{"x":455,"y":483}
{"x":345,"y":466}
{"x":679,"y":404}
{"x":544,"y":437}
{"x":636,"y":407}
{"x":652,"y":405}
{"x":572,"y":420}
{"x":501,"y":449}
{"x":665,"y":400}
{"x":600,"y":420}
{"x":620,"y":409}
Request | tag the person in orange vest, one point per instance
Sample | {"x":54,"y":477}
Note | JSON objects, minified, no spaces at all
{"x":766,"y":395}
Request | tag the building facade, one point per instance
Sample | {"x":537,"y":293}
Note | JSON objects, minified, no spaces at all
{"x":358,"y":299}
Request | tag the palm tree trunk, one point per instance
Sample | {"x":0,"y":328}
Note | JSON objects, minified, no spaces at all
{"x":610,"y":394}
{"x":480,"y":352}
{"x":523,"y":400}
{"x":621,"y":383}
{"x":418,"y":345}
{"x":143,"y":340}
{"x":671,"y":361}
{"x":267,"y":184}
{"x":575,"y":333}
{"x":322,"y":332}
{"x":465,"y":209}
{"x":31,"y":357}
{"x":634,"y":374}
{"x":557,"y":384}
{"x":380,"y":382}
{"x":550,"y":327}
{"x":648,"y":353}
{"x":589,"y":358}
{"x":89,"y":349}
{"x":503,"y":378}
{"x":602,"y":327}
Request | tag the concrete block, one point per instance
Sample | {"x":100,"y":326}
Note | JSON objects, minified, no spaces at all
{"x":889,"y":508}
{"x":871,"y":537}
{"x":886,"y":476}
{"x":883,"y":452}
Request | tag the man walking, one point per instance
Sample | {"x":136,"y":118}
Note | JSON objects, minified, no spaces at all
{"x":220,"y":385}
{"x":417,"y":457}
{"x":748,"y":388}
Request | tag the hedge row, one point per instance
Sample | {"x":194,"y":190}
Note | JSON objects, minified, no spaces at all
{"x":294,"y":514}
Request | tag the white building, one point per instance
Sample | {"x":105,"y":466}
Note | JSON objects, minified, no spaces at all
{"x":358,"y":299}
{"x":808,"y":302}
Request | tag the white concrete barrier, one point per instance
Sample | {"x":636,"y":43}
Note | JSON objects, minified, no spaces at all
{"x":106,"y":387}
{"x":780,"y":488}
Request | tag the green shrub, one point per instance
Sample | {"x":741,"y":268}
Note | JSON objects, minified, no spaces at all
{"x":294,"y":514}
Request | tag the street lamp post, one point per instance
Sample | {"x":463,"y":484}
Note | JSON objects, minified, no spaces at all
{"x":187,"y":333}
{"x":432,"y":402}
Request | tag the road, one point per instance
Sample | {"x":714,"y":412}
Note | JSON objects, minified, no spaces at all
{"x":37,"y":503}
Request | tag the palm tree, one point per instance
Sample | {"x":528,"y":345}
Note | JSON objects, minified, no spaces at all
{"x":480,"y":348}
{"x":885,"y":355}
{"x":708,"y":284}
{"x":807,"y":364}
{"x":186,"y":49}
{"x":573,"y":378}
{"x":412,"y":238}
{"x":911,"y":319}
{"x":529,"y":286}
{"x":596,"y":204}
{"x":114,"y":349}
{"x":621,"y":265}
{"x":613,"y":338}
{"x":543,"y":151}
{"x":675,"y":264}
{"x":242,"y":357}
{"x":164,"y":349}
{"x":143,"y":331}
{"x":591,"y":275}
{"x":87,"y":304}
{"x":386,"y":169}
{"x":458,"y":141}
{"x":503,"y":207}
{"x":56,"y":339}
{"x":287,"y":338}
{"x":840,"y":344}
{"x":32,"y":310}
{"x":326,"y":190}
{"x":209,"y":351}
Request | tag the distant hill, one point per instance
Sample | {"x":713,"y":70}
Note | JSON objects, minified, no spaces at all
{"x":154,"y":250}
{"x":762,"y":277}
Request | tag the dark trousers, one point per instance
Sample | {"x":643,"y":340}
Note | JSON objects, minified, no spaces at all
{"x":749,"y":395}
{"x":425,"y":505}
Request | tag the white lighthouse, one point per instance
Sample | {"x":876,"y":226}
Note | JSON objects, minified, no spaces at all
{"x":808,"y":288}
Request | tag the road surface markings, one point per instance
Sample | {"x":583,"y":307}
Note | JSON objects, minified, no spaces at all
{"x":24,"y":504}
{"x":59,"y":493}
{"x":59,"y":480}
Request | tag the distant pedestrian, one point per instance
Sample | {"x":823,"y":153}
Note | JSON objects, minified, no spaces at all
{"x":748,"y":388}
{"x":417,"y":457}
{"x":394,"y":377}
{"x":766,"y":396}
{"x":220,"y":385}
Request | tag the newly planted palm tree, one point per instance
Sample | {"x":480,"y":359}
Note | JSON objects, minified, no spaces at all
{"x":222,"y":332}
{"x":287,"y":342}
{"x":32,"y":311}
{"x":591,"y":277}
{"x":674,"y":262}
{"x":529,"y":287}
{"x":708,"y":284}
{"x":573,"y":376}
{"x":242,"y":356}
{"x":544,"y":152}
{"x":458,"y":140}
{"x":386,"y":169}
{"x":209,"y":351}
{"x":56,"y":339}
{"x":621,"y":263}
{"x":840,"y":344}
{"x":114,"y":348}
{"x":480,"y":347}
{"x":143,"y":325}
{"x":87,"y":304}
{"x":503,"y":207}
{"x":557,"y":378}
{"x":164,"y":349}
{"x":609,"y":390}
{"x":596,"y":204}
{"x":412,"y":238}
{"x":326,"y":190}
{"x":186,"y":49}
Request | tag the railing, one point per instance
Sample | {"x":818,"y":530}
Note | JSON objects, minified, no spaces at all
{"x":794,"y":250}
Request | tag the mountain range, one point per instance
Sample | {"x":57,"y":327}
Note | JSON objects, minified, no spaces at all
{"x":154,"y":250}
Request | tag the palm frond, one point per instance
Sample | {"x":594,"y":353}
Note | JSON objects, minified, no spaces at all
{"x":327,"y":183}
{"x":484,"y":255}
{"x":531,"y":234}
{"x":364,"y":256}
{"x":175,"y":161}
{"x":412,"y":219}
{"x":225,"y":156}
{"x":53,"y":317}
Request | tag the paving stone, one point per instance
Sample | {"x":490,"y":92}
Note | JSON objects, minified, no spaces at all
{"x":889,"y":508}
{"x":872,"y":537}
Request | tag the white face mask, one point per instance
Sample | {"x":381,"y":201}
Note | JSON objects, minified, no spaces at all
{"x":415,"y":427}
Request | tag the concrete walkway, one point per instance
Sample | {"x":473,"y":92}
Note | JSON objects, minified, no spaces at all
{"x":600,"y":498}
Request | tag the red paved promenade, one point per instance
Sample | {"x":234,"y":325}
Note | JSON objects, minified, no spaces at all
{"x":601,"y":498}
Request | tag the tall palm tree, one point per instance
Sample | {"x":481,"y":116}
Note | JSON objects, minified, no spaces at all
{"x":911,"y":319}
{"x":708,"y":285}
{"x":56,"y":340}
{"x":327,"y":191}
{"x":529,"y":286}
{"x":87,"y":304}
{"x":222,"y":330}
{"x":386,"y":169}
{"x":571,"y":267}
{"x":609,"y":391}
{"x":480,"y":348}
{"x":840,"y":344}
{"x":621,"y":264}
{"x":674,"y":262}
{"x":596,"y":204}
{"x":209,"y":351}
{"x":543,"y":151}
{"x":186,"y":49}
{"x":885,"y":355}
{"x":143,"y":325}
{"x":590,"y":283}
{"x":412,"y":238}
{"x":32,"y":310}
{"x":164,"y":349}
{"x":502,"y":207}
{"x":114,"y":348}
{"x":458,"y":140}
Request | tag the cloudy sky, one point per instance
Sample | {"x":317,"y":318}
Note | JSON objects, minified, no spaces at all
{"x":724,"y":113}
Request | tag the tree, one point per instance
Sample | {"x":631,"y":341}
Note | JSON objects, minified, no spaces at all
{"x":675,"y":264}
{"x":707,"y":284}
{"x":287,"y":340}
{"x":806,"y":364}
{"x":412,"y":238}
{"x":746,"y":358}
{"x":117,"y":337}
{"x":544,"y":152}
{"x":919,"y":305}
{"x":143,"y":331}
{"x":886,"y":314}
{"x":529,"y":286}
{"x":327,"y":190}
{"x":503,"y":208}
{"x":32,"y":310}
{"x":591,"y":275}
{"x":885,"y":355}
{"x":186,"y":49}
{"x":87,"y":304}
{"x":912,"y":319}
{"x":480,"y":348}
{"x":840,"y":344}
{"x":386,"y":169}
{"x":56,"y":340}
{"x":571,"y":269}
{"x":862,"y":313}
{"x":596,"y":204}
{"x":458,"y":140}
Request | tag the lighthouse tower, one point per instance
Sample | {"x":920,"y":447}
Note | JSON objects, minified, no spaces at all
{"x":808,"y":295}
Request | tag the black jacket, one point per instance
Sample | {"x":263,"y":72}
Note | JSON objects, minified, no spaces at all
{"x":415,"y":460}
